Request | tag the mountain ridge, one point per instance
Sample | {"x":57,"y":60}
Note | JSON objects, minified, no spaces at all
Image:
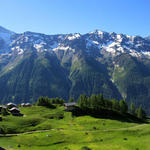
{"x":64,"y":65}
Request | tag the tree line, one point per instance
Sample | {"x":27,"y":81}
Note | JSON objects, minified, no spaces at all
{"x":97,"y":103}
{"x":49,"y":102}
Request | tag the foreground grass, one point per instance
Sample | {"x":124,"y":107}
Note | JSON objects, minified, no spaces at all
{"x":71,"y":133}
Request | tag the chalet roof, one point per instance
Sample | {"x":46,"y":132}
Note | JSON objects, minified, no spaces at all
{"x":14,"y":108}
{"x":70,"y":104}
{"x":2,"y":106}
{"x":27,"y":104}
{"x":9,"y":104}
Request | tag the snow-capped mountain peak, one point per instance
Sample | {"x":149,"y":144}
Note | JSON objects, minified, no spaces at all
{"x":74,"y":36}
{"x":97,"y":41}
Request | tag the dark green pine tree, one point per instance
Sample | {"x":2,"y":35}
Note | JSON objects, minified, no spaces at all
{"x":71,"y":99}
{"x":94,"y":101}
{"x":44,"y":101}
{"x":108,"y":104}
{"x":132,"y":109}
{"x":4,"y":112}
{"x":115,"y":105}
{"x":123,"y":106}
{"x":141,"y":113}
{"x":100,"y":101}
{"x":40,"y":101}
{"x":83,"y":101}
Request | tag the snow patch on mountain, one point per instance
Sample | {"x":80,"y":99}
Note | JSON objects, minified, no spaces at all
{"x":146,"y":53}
{"x":74,"y":36}
{"x":108,"y":44}
{"x":90,"y":43}
{"x":119,"y":38}
{"x":111,"y":43}
{"x":17,"y":49}
{"x":39,"y":46}
{"x":65,"y":48}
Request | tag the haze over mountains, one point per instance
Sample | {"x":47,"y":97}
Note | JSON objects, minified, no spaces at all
{"x":64,"y":65}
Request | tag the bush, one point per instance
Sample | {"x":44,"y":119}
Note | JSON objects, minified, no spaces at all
{"x":141,"y":113}
{"x":123,"y":106}
{"x":4,"y":112}
{"x":86,"y":148}
{"x":2,"y":131}
{"x":45,"y":101}
{"x":57,"y":101}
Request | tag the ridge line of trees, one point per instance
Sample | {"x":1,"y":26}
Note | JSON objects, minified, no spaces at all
{"x":98,"y":103}
{"x":49,"y":102}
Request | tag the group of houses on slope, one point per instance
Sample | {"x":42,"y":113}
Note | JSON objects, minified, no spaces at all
{"x":15,"y":111}
{"x":13,"y":108}
{"x":25,"y":105}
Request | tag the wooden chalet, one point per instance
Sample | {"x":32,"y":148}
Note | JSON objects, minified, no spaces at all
{"x":15,"y":111}
{"x":26,"y":105}
{"x":11,"y":105}
{"x":70,"y":106}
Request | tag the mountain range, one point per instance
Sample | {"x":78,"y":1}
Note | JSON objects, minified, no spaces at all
{"x":67,"y":65}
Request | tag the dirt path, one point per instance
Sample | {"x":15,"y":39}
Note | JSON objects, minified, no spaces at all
{"x":30,"y":132}
{"x":41,"y":131}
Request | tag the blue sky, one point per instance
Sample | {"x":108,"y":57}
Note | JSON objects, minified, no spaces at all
{"x":71,"y":16}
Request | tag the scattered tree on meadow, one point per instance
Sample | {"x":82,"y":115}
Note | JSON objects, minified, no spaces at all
{"x":100,"y":101}
{"x":83,"y":101}
{"x":115,"y":105}
{"x":57,"y":100}
{"x":44,"y":101}
{"x":140,"y":113}
{"x":97,"y":101}
{"x":88,"y":102}
{"x":108,"y":104}
{"x":94,"y":101}
{"x":71,"y":99}
{"x":132,"y":109}
{"x":4,"y":112}
{"x":123,"y":106}
{"x":61,"y":101}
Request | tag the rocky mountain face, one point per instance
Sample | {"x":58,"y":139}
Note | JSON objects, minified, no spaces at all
{"x":64,"y":65}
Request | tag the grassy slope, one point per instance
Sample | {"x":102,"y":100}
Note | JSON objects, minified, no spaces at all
{"x":72,"y":133}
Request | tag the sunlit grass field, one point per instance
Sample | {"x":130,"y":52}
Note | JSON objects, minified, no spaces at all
{"x":45,"y":129}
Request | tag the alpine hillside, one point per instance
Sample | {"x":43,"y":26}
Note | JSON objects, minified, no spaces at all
{"x":67,"y":65}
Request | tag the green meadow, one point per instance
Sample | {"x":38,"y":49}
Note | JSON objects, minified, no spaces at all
{"x":54,"y":129}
